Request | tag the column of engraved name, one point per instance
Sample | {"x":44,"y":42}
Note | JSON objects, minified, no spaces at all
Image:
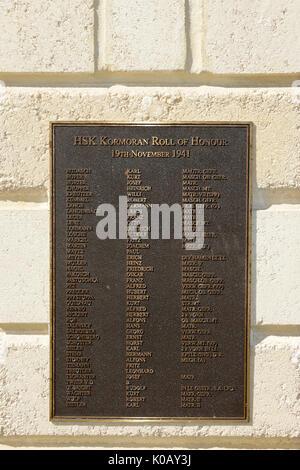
{"x":200,"y":283}
{"x":79,"y":331}
{"x":137,"y":297}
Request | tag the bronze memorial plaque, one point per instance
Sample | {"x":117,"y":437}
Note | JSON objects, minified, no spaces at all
{"x":150,"y":265}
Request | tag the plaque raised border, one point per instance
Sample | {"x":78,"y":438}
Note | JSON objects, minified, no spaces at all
{"x":248,"y":251}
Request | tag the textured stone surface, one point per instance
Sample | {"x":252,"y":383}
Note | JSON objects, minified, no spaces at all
{"x":276,"y":268}
{"x":38,"y":36}
{"x":252,"y":37}
{"x":144,"y":36}
{"x":26,"y":112}
{"x":24,"y":390}
{"x":24,"y":265}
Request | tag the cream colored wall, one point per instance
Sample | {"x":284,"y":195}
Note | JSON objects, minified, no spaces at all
{"x":149,"y":60}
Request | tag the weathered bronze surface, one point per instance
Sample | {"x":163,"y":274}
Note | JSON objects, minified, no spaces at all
{"x":147,"y":330}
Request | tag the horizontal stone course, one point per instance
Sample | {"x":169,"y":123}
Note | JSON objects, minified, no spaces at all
{"x":218,"y":36}
{"x":26,"y":112}
{"x":25,"y":265}
{"x":24,"y":393}
{"x":251,"y":37}
{"x":53,"y":36}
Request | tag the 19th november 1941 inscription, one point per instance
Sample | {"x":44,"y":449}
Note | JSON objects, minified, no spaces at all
{"x":150,"y":263}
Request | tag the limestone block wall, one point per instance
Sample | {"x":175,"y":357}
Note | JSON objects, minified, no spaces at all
{"x":149,"y":60}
